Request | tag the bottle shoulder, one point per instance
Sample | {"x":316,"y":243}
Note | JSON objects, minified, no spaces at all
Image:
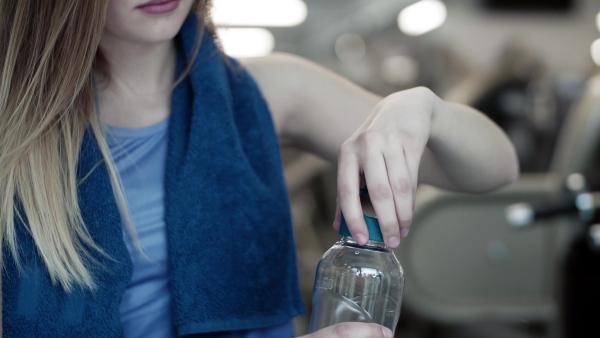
{"x":361,"y":260}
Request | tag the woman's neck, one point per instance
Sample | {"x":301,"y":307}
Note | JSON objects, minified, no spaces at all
{"x":138,"y":91}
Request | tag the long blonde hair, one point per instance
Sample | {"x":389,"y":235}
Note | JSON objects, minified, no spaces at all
{"x":47,"y":53}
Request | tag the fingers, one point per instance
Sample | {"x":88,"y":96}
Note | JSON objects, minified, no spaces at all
{"x":338,"y":217}
{"x":352,"y":330}
{"x":382,"y":197}
{"x":348,"y":194}
{"x":390,"y":168}
{"x":413,"y":152}
{"x":401,"y":184}
{"x":412,"y":156}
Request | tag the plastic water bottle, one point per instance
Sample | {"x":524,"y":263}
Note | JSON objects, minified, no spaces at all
{"x":356,"y":283}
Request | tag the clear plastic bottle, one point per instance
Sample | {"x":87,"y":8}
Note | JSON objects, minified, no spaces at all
{"x":356,"y":283}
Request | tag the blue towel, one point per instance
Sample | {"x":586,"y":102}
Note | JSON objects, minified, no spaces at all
{"x":231,"y":251}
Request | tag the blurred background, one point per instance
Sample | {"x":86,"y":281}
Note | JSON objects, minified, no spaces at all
{"x":521,"y":262}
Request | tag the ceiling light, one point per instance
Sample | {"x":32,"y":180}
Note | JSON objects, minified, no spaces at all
{"x":246,"y":42}
{"x":595,"y":49}
{"x":422,"y":17}
{"x":350,"y":47}
{"x":267,"y":13}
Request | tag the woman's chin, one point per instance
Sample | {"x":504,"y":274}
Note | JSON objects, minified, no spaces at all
{"x":142,"y":25}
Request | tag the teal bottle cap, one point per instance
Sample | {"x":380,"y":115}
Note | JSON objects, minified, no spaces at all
{"x":372,"y":226}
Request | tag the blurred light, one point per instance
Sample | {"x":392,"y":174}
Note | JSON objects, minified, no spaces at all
{"x":271,"y":13}
{"x":519,"y":215}
{"x":595,"y":234}
{"x":422,"y":17}
{"x":246,"y":42}
{"x":399,"y":70}
{"x":576,"y":182}
{"x":350,"y":47}
{"x":596,"y":51}
{"x":598,"y":20}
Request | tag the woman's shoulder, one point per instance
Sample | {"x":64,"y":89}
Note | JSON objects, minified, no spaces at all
{"x":277,"y":66}
{"x":282,"y":72}
{"x":283,"y":79}
{"x":278,"y":77}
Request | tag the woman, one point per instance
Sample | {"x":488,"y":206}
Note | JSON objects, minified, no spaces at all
{"x":95,"y":138}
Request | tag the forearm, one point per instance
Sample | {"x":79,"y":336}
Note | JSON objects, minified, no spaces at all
{"x":472,"y":153}
{"x":318,"y":111}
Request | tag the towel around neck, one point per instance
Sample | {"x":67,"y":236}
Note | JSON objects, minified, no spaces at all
{"x":232,"y":261}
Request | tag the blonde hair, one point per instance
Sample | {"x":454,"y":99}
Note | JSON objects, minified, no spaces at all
{"x":47,"y":53}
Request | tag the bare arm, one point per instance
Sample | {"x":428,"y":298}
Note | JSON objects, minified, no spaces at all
{"x":393,"y":142}
{"x":317,"y":110}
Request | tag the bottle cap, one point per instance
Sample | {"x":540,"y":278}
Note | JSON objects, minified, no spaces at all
{"x":372,"y":226}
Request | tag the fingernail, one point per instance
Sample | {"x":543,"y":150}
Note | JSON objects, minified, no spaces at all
{"x":393,"y":242}
{"x":387,"y":333}
{"x":404,"y":232}
{"x":361,"y":239}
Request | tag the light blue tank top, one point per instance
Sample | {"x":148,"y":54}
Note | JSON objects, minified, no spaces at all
{"x":140,"y":158}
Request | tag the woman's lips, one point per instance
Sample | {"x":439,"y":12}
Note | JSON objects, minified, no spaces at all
{"x":159,"y":6}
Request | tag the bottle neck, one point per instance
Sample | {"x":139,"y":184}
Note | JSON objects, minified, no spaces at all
{"x":348,"y":240}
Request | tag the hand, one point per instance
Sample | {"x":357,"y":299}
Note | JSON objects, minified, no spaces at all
{"x":352,"y":330}
{"x":386,"y":152}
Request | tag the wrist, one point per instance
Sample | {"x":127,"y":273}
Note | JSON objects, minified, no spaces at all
{"x":437,"y":107}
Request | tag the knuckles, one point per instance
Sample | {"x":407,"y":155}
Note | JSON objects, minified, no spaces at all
{"x":424,"y":91}
{"x":402,"y":186}
{"x":389,"y":227}
{"x":370,"y":138}
{"x":346,"y":191}
{"x":380,"y":192}
{"x":346,"y":148}
{"x":406,"y":221}
{"x":421,"y":93}
{"x":377,"y":139}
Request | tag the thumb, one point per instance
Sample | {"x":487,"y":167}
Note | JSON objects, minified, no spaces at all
{"x":352,"y":330}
